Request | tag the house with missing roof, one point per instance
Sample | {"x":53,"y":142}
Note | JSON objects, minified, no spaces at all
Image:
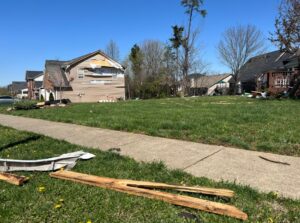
{"x":275,"y":72}
{"x":90,"y":78}
{"x":209,"y":84}
{"x":34,"y":80}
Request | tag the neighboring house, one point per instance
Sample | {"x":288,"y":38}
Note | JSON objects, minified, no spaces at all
{"x":275,"y":72}
{"x":18,"y":89}
{"x":90,"y":78}
{"x":34,"y":81}
{"x":209,"y":84}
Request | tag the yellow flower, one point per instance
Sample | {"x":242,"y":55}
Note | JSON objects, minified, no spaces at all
{"x":41,"y":189}
{"x":89,"y":221}
{"x":61,"y":200}
{"x":57,"y":206}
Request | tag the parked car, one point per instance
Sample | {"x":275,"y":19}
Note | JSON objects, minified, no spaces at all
{"x":6,"y":100}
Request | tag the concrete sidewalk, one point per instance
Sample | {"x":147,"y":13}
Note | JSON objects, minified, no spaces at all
{"x":214,"y":162}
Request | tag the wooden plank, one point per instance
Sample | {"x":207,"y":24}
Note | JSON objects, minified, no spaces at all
{"x":13,"y":179}
{"x":200,"y":190}
{"x":181,"y":200}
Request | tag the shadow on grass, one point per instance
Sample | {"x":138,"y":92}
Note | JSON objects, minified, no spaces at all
{"x":26,"y":140}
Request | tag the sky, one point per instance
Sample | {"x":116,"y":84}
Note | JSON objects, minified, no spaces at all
{"x":32,"y":31}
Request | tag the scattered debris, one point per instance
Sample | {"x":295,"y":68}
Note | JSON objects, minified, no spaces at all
{"x":40,"y":104}
{"x":67,"y":161}
{"x":107,"y":101}
{"x":13,"y":179}
{"x":9,"y":109}
{"x":140,"y":188}
{"x":273,"y":161}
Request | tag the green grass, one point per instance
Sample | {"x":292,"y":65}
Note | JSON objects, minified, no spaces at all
{"x":82,"y":203}
{"x":262,"y":125}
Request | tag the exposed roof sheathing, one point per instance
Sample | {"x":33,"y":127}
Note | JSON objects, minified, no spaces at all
{"x":206,"y":81}
{"x":55,"y":73}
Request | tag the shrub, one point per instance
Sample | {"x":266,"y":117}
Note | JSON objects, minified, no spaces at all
{"x":51,"y":97}
{"x":42,"y":98}
{"x":25,"y":105}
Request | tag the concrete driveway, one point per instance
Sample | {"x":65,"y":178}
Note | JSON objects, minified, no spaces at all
{"x":214,"y":162}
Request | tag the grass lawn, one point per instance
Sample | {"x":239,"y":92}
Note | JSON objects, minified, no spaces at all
{"x":81,"y":203}
{"x":263,"y":125}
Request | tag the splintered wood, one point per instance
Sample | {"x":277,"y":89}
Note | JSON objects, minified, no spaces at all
{"x":13,"y":179}
{"x":141,"y":188}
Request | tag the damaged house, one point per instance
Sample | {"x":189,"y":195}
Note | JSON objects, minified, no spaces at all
{"x":89,"y":78}
{"x":275,"y":72}
{"x":209,"y":84}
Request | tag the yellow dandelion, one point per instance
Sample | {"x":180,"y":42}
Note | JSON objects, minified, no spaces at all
{"x":57,"y":206}
{"x":41,"y":189}
{"x":89,"y":221}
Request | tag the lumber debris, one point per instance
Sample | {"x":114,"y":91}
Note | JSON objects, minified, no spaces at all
{"x":139,"y":188}
{"x":199,"y":190}
{"x":13,"y":179}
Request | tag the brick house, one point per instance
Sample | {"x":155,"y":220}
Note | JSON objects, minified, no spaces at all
{"x":34,"y":80}
{"x":275,"y":72}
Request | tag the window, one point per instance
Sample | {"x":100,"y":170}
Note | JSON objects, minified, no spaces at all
{"x":282,"y":82}
{"x":80,"y":73}
{"x":100,"y":82}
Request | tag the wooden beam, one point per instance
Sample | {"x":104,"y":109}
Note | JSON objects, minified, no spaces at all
{"x":181,"y":200}
{"x":13,"y":179}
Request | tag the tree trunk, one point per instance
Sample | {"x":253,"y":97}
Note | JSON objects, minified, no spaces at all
{"x":186,"y":47}
{"x":295,"y":88}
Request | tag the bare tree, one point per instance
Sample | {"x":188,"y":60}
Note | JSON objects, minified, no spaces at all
{"x":153,"y":52}
{"x":287,"y":26}
{"x":238,"y":45}
{"x":112,"y":50}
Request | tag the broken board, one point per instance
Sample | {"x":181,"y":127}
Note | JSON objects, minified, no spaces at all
{"x":13,"y":179}
{"x":138,"y":188}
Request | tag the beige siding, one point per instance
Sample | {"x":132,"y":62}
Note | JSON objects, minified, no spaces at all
{"x":94,"y":88}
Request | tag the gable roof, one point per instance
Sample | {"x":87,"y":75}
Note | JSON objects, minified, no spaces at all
{"x":17,"y":86}
{"x":77,"y":60}
{"x":56,"y":74}
{"x":30,"y":74}
{"x":257,"y":65}
{"x":207,"y":81}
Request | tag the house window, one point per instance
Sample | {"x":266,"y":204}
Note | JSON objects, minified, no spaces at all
{"x":80,"y":73}
{"x":282,"y":82}
{"x":100,"y":82}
